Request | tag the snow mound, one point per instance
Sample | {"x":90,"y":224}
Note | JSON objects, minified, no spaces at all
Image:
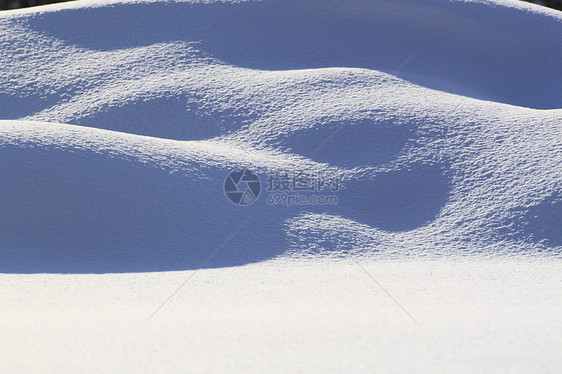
{"x":121,"y":121}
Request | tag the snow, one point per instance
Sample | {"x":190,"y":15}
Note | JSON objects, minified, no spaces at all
{"x":121,"y":120}
{"x":298,"y":316}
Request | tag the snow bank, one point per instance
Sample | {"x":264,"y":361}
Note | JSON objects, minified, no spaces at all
{"x":121,"y":121}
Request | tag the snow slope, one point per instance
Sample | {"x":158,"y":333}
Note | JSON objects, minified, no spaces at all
{"x":425,"y":170}
{"x":120,"y":120}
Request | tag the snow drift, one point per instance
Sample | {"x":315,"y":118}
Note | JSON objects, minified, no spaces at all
{"x":121,"y":121}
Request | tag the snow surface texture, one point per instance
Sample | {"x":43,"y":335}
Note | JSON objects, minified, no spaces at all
{"x":120,"y":120}
{"x":297,"y":317}
{"x":435,"y":112}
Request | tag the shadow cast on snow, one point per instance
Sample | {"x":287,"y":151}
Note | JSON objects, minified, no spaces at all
{"x":76,"y":211}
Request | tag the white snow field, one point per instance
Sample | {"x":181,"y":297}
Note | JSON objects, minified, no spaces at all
{"x":121,"y":120}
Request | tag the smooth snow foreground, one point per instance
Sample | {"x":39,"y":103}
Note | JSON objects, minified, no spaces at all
{"x":279,"y":317}
{"x":121,"y":120}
